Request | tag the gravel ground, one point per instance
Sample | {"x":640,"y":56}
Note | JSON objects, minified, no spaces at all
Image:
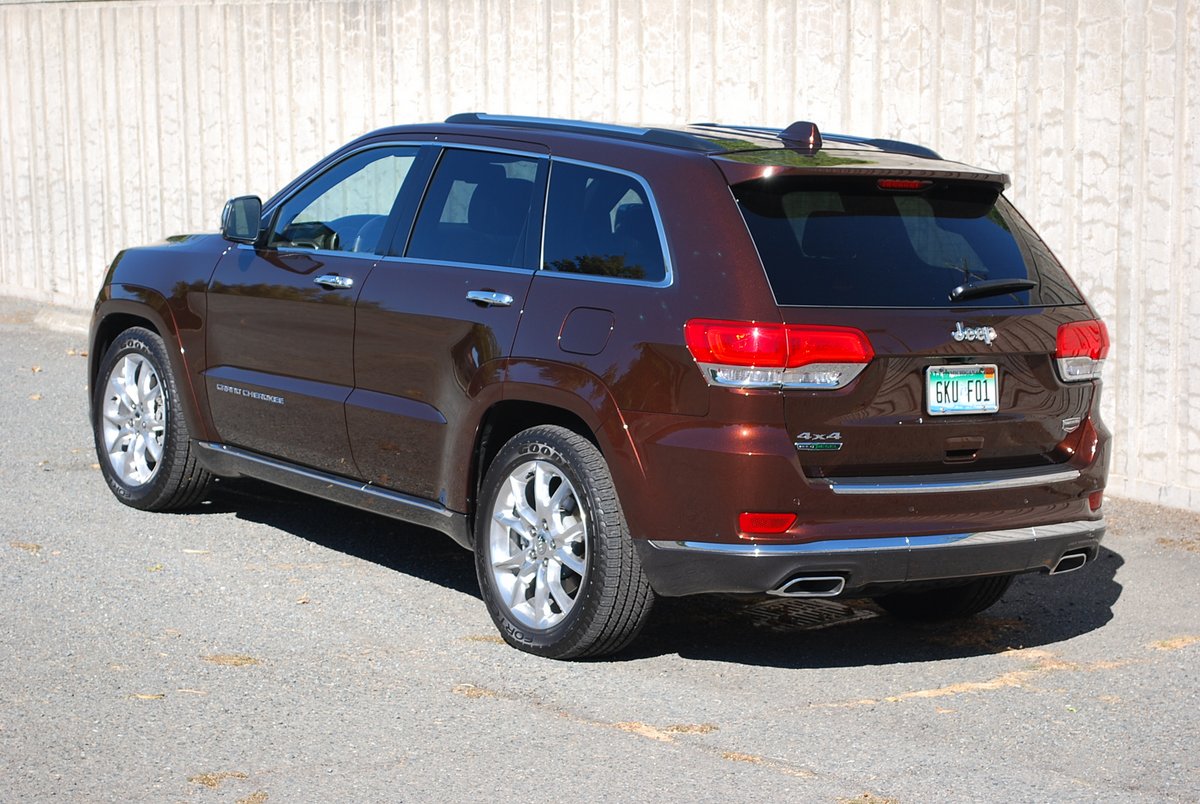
{"x":269,"y":647}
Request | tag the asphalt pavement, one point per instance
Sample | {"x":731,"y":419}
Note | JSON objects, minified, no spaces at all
{"x":270,"y":647}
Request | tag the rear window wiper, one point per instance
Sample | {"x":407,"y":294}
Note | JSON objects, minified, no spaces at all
{"x":990,"y":287}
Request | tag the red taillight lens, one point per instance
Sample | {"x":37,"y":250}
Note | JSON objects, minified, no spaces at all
{"x":735,"y":343}
{"x":746,"y":343}
{"x":761,"y":523}
{"x":1095,"y":500}
{"x":1080,"y":349}
{"x":1083,"y":339}
{"x":808,"y":345}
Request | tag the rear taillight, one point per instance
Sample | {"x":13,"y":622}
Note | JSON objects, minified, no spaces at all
{"x":1080,"y":350}
{"x":745,"y":354}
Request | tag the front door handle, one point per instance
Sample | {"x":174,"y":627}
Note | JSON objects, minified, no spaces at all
{"x":333,"y":281}
{"x":489,"y":298}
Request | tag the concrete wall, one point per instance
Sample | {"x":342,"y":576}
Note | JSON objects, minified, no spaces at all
{"x":121,"y":122}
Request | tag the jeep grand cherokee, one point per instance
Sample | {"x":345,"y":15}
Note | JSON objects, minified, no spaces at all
{"x":621,"y":362}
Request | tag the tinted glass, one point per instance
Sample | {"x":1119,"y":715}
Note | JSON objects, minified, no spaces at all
{"x":346,"y":207}
{"x":600,"y":222}
{"x":477,"y":209}
{"x":852,"y":244}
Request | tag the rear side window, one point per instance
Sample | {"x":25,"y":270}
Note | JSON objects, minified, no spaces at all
{"x":600,"y":222}
{"x":478,"y":209}
{"x":850,"y":244}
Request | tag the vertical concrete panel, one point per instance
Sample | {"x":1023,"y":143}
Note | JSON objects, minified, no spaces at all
{"x":657,"y":43}
{"x":702,"y":23}
{"x":556,"y":52}
{"x":29,"y":177}
{"x":954,"y":77}
{"x":1158,"y":287}
{"x":628,"y":52}
{"x":996,"y":88}
{"x":525,"y":91}
{"x":862,"y":62}
{"x":900,"y":80}
{"x":9,"y":275}
{"x":1188,"y":253}
{"x":587,"y":59}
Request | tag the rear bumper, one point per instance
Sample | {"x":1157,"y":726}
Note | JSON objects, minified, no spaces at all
{"x":677,"y":568}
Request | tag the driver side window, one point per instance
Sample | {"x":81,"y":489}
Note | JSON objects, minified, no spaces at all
{"x":345,"y":208}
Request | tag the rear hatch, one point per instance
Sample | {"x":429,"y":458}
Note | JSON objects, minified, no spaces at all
{"x":962,"y":304}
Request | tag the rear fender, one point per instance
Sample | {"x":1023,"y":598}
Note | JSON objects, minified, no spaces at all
{"x":584,"y":395}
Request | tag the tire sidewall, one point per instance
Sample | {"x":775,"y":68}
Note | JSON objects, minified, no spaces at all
{"x":146,"y":344}
{"x":561,"y":639}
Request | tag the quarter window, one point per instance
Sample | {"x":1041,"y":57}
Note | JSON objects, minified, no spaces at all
{"x":600,"y":222}
{"x":346,"y":207}
{"x":478,"y":209}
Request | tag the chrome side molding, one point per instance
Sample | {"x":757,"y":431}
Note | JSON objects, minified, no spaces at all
{"x":232,"y":461}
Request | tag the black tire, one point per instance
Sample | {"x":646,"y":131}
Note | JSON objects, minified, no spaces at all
{"x":172,"y":481}
{"x":611,"y":598}
{"x":948,"y":602}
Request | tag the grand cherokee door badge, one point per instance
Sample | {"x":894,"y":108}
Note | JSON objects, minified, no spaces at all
{"x":233,"y":389}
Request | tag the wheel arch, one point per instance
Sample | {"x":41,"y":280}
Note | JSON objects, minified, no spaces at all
{"x":121,"y":307}
{"x":540,"y":392}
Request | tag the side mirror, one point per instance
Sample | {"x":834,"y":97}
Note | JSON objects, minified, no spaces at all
{"x":242,"y":219}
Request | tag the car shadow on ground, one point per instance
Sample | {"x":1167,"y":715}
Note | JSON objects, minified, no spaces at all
{"x":1038,"y":610}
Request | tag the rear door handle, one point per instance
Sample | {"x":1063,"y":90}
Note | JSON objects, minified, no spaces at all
{"x":489,"y":298}
{"x":333,"y":281}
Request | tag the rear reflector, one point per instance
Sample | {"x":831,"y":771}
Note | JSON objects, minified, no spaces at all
{"x":756,"y":524}
{"x":756,"y":355}
{"x":1080,"y":349}
{"x":1095,"y":500}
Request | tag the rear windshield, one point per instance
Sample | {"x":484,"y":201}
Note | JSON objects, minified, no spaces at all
{"x":850,"y":244}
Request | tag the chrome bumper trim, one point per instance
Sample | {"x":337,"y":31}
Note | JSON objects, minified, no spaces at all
{"x":938,"y":484}
{"x":1081,"y":528}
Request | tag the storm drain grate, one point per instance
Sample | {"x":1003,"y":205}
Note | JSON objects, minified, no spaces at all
{"x":804,"y":615}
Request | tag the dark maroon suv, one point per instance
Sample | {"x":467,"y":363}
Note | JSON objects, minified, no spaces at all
{"x":627,"y":362}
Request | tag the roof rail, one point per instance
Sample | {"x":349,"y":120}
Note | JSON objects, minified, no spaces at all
{"x":735,"y":129}
{"x":892,"y":146}
{"x":651,"y":136}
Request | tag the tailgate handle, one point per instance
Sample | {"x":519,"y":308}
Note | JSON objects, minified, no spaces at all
{"x":963,"y":450}
{"x":489,"y":298}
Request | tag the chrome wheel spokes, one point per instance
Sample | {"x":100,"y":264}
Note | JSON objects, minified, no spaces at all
{"x":134,"y":419}
{"x":538,"y":544}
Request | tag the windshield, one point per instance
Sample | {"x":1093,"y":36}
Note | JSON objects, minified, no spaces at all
{"x":849,"y":243}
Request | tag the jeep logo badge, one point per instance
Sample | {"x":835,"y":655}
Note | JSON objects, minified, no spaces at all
{"x":985,"y":334}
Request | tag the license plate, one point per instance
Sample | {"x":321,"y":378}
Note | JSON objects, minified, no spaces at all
{"x":953,"y":390}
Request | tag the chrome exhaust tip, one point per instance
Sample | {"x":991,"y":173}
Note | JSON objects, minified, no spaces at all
{"x":1069,"y":563}
{"x":811,"y":586}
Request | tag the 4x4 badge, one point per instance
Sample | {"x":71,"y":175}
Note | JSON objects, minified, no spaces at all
{"x":985,"y":334}
{"x":819,"y":442}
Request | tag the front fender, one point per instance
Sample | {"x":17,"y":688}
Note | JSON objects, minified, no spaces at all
{"x":120,"y":306}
